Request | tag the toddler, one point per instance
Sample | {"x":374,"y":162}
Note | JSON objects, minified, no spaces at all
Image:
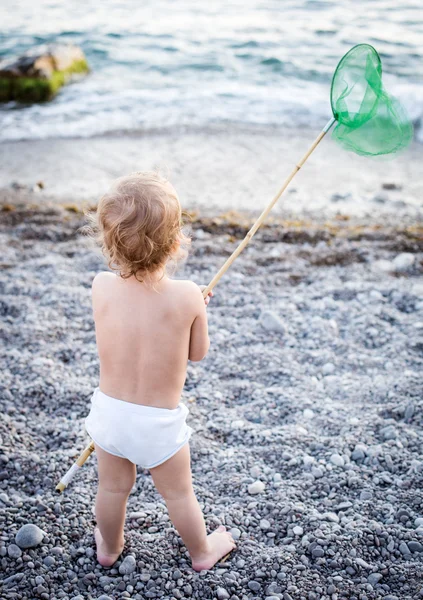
{"x":147,"y":328}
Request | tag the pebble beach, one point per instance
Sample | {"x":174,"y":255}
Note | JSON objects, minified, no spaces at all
{"x":307,"y":413}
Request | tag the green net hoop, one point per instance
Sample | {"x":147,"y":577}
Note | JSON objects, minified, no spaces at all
{"x":370,"y":122}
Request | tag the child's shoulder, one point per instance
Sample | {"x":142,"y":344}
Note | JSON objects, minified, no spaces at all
{"x":188,"y":290}
{"x":104,"y":278}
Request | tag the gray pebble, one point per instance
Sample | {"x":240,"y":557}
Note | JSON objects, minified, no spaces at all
{"x":404,"y":549}
{"x":254,"y":586}
{"x":374,"y":578}
{"x":270,"y":321}
{"x":337,"y":460}
{"x":415,"y":546}
{"x":222,"y":594}
{"x":318,"y":552}
{"x":29,"y":536}
{"x":128,"y":565}
{"x":256,"y":488}
{"x":14,"y":551}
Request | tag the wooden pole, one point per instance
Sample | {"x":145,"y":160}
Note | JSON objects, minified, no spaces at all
{"x":75,"y":467}
{"x":266,"y":211}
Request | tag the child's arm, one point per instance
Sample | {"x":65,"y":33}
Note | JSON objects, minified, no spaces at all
{"x":199,"y":343}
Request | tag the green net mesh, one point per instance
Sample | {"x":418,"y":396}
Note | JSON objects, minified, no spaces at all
{"x":370,"y":122}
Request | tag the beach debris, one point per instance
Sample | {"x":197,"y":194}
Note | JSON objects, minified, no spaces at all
{"x":29,"y":536}
{"x":37,"y":75}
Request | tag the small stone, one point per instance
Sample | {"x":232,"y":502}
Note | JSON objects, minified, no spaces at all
{"x":14,"y":551}
{"x":297,"y":530}
{"x":235,"y":533}
{"x":337,"y":460}
{"x":366,"y":495}
{"x":222,"y":594}
{"x":317,"y":472}
{"x":419,"y":522}
{"x":330,"y":516}
{"x":255,"y":472}
{"x":256,"y":488}
{"x":328,"y":368}
{"x":29,"y":536}
{"x":128,"y":565}
{"x":254,"y":586}
{"x":403,"y":262}
{"x":415,"y":546}
{"x":404,"y":549}
{"x":359,"y":452}
{"x":264,"y":524}
{"x":318,"y":552}
{"x":103,"y":597}
{"x":374,"y":578}
{"x":271,"y":322}
{"x":308,"y":413}
{"x":176,"y":574}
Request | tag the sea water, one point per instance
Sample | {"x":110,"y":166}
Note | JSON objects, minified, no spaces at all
{"x":162,"y":64}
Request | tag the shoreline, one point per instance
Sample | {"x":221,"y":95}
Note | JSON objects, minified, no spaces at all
{"x":215,"y":171}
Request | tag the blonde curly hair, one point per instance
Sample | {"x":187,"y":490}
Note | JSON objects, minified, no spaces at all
{"x":139,"y":225}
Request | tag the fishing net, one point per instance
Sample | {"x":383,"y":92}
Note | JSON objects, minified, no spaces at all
{"x":370,"y":121}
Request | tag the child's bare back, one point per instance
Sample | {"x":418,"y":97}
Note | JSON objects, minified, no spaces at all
{"x":147,"y":328}
{"x":145,"y":336}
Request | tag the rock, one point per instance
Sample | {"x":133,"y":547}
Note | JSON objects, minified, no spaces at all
{"x":29,"y":536}
{"x":128,"y":565}
{"x":388,"y":433}
{"x":308,"y":413}
{"x":318,"y":552}
{"x":374,"y":578}
{"x":222,"y":594}
{"x":297,"y":530}
{"x":419,"y":522}
{"x":330,"y":516}
{"x":254,"y":586}
{"x":415,"y":546}
{"x":403,"y":262}
{"x":49,"y":561}
{"x":328,"y":369}
{"x":14,"y":551}
{"x":103,"y":597}
{"x":37,"y":75}
{"x":264,"y":524}
{"x":256,"y":488}
{"x":404,"y":549}
{"x":337,"y":460}
{"x":235,"y":533}
{"x":270,"y":321}
{"x":366,"y":495}
{"x":359,"y":452}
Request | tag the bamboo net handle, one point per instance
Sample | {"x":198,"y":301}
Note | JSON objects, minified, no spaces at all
{"x":266,"y":211}
{"x":75,"y":467}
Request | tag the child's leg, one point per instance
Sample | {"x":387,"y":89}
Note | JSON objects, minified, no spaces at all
{"x":173,"y":481}
{"x":116,"y":478}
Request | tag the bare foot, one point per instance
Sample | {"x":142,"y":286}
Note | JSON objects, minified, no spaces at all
{"x":220,"y":543}
{"x":104,"y":558}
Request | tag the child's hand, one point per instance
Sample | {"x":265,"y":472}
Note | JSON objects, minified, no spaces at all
{"x":209,"y":295}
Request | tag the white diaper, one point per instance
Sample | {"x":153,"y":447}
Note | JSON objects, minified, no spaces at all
{"x":145,"y":435}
